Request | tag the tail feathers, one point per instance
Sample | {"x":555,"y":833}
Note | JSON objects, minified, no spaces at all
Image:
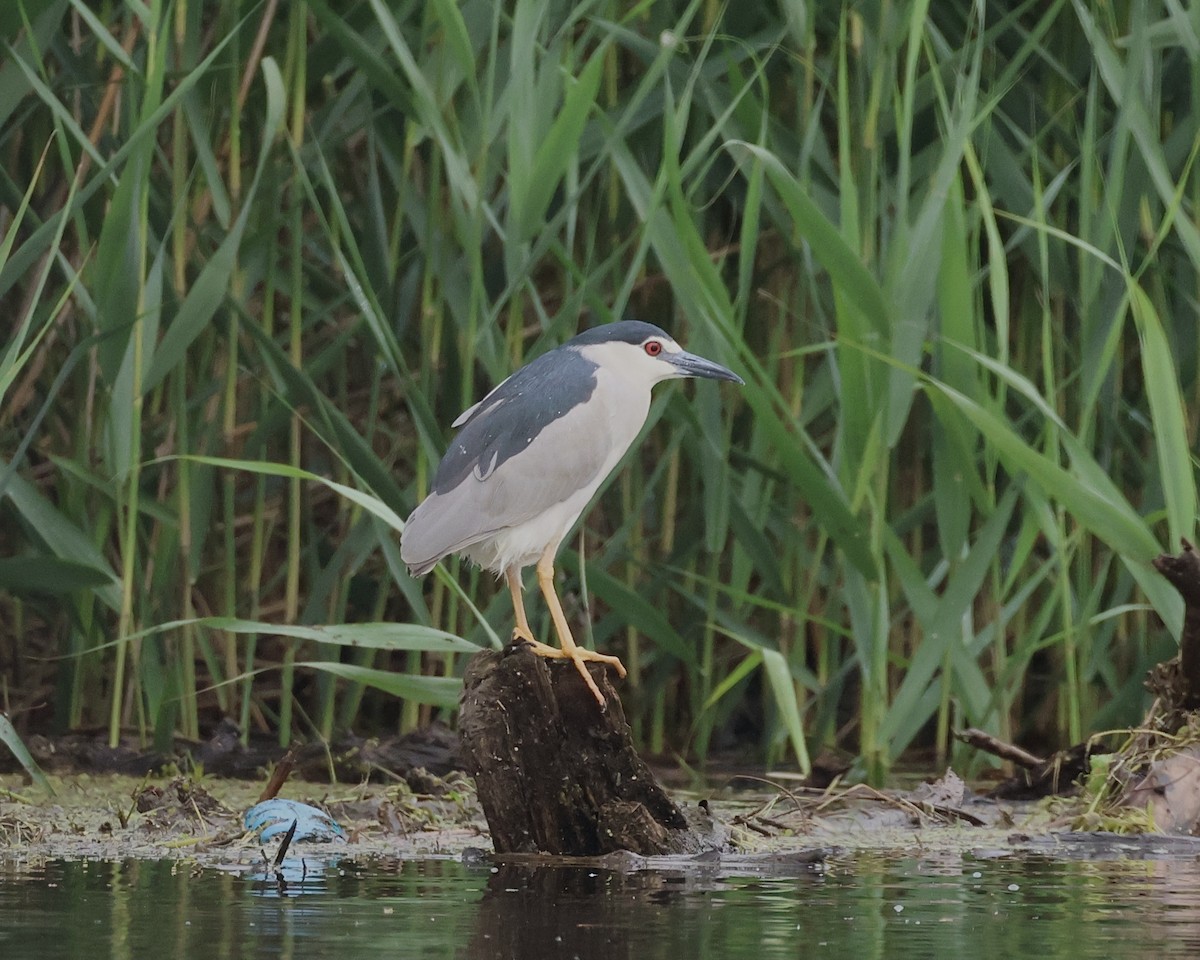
{"x":428,"y":538}
{"x":413,"y":552}
{"x":422,"y":568}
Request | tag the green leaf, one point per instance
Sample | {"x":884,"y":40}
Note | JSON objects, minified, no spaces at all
{"x":118,"y":267}
{"x":458,"y":41}
{"x":369,"y":503}
{"x":8,"y":736}
{"x":735,"y":676}
{"x":427,"y":111}
{"x":784,"y":691}
{"x":49,"y":575}
{"x":208,"y":291}
{"x":373,"y":636}
{"x":1101,"y":509}
{"x":702,"y":294}
{"x":635,"y":610}
{"x":943,"y":642}
{"x":64,"y":539}
{"x":1166,"y":409}
{"x":439,"y":691}
{"x":106,"y":168}
{"x":850,"y":276}
{"x":557,"y":150}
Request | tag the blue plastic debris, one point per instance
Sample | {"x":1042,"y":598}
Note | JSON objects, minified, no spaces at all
{"x":273,"y":818}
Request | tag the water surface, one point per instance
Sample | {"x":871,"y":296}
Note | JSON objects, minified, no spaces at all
{"x":863,"y":906}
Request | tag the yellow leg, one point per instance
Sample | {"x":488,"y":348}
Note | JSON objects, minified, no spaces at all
{"x":521,"y":631}
{"x":580,"y":656}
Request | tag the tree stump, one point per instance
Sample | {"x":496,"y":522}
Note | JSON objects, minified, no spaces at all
{"x":1179,"y":681}
{"x":555,"y":773}
{"x":1160,"y":766}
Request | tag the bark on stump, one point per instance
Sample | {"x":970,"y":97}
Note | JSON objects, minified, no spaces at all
{"x":1159,"y":770}
{"x":554,"y":773}
{"x":1179,"y":681}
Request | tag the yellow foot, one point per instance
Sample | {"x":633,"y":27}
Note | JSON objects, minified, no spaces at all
{"x":579,"y":656}
{"x":524,"y":636}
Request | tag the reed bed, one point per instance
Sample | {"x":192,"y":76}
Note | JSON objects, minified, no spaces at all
{"x":256,"y":257}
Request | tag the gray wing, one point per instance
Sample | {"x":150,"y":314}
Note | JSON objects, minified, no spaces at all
{"x":517,"y":455}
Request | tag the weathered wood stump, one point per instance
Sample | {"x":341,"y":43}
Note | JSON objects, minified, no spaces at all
{"x":1163,"y":758}
{"x":556,"y":774}
{"x":1178,"y":681}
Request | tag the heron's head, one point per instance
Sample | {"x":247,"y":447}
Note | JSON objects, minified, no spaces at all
{"x":647,"y":352}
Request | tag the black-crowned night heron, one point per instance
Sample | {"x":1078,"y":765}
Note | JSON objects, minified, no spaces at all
{"x":531,"y":455}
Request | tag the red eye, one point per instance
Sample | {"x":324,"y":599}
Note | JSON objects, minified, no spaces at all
{"x":653,"y":348}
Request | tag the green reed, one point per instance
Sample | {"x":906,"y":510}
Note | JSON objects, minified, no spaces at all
{"x":259,"y":256}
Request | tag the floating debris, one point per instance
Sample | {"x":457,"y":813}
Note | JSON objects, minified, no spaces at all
{"x":274,"y":817}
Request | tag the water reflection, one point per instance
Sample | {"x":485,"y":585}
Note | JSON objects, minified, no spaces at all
{"x":950,"y":905}
{"x":592,"y":913}
{"x":294,"y":875}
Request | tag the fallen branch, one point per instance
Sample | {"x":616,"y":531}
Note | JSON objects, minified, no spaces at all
{"x":981,"y":740}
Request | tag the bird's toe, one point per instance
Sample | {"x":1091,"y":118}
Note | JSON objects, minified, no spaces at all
{"x":581,"y":666}
{"x":520,"y":636}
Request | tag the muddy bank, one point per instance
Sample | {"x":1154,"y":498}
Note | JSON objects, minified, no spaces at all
{"x":117,"y":818}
